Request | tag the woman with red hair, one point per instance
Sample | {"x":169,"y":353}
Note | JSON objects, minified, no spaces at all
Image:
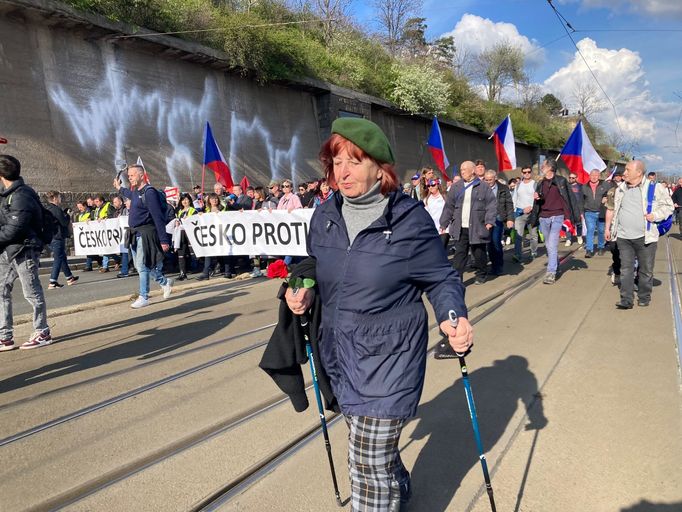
{"x":374,"y":252}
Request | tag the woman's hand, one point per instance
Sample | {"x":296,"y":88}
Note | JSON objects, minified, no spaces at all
{"x":299,"y":301}
{"x":461,"y":338}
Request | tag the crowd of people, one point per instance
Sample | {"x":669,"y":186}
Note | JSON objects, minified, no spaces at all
{"x":476,"y":214}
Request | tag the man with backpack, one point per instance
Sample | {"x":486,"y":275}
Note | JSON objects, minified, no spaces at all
{"x":639,"y":204}
{"x":61,"y":222}
{"x":23,"y":231}
{"x":148,"y":240}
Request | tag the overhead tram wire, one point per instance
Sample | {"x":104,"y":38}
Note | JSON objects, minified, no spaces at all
{"x":566,"y":25}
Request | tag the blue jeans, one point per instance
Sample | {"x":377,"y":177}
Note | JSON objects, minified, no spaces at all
{"x":59,"y":261}
{"x":520,"y":224}
{"x":24,"y":267}
{"x":144,"y":271}
{"x":124,"y":263}
{"x":592,"y":222}
{"x":495,"y":250}
{"x":550,"y":227}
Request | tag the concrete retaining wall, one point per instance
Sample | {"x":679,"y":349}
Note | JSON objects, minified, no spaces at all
{"x":75,"y":99}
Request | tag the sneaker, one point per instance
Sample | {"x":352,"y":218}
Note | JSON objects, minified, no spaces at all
{"x":122,"y":275}
{"x":533,"y":255}
{"x":167,"y":288}
{"x":54,"y":285}
{"x":228,"y":275}
{"x":507,"y":241}
{"x":7,"y":344}
{"x":140,"y":302}
{"x":202,"y":277}
{"x":72,"y":280}
{"x":567,"y":243}
{"x":600,"y":252}
{"x":589,"y":254}
{"x":615,"y":279}
{"x":182,"y":276}
{"x":623,"y":305}
{"x":38,"y":339}
{"x":642,"y":303}
{"x":549,"y":278}
{"x":256,"y":272}
{"x":480,"y":280}
{"x":87,"y":270}
{"x":580,"y":240}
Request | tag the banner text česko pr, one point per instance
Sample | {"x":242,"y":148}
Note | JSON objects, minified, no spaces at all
{"x":276,"y":233}
{"x":247,"y":233}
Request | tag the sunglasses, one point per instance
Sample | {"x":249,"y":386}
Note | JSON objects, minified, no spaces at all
{"x":572,"y":178}
{"x":525,"y":172}
{"x":286,"y":186}
{"x":434,"y":185}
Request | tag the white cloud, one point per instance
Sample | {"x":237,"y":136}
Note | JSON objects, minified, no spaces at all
{"x":657,"y":8}
{"x":475,"y":34}
{"x":648,"y":124}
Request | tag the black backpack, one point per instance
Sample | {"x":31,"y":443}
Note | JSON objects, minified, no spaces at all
{"x":170,"y":211}
{"x":46,"y":229}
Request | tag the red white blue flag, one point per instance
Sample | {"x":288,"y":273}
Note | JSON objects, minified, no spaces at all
{"x":145,"y":176}
{"x":505,"y":149}
{"x":580,"y":156}
{"x":613,"y":172}
{"x":437,"y":148}
{"x":214,"y":160}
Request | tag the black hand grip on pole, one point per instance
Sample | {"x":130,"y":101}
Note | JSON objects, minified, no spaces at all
{"x":474,"y":417}
{"x":305,"y":325}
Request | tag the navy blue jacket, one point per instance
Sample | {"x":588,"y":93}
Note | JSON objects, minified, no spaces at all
{"x":151,"y":213}
{"x":374,"y":328}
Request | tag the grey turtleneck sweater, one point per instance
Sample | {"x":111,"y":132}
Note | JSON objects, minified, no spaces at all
{"x":359,"y":212}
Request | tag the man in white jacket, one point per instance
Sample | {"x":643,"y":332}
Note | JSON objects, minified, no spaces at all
{"x":634,"y":229}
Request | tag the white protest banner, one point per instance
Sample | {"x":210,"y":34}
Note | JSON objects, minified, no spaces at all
{"x":99,"y":236}
{"x":246,"y":233}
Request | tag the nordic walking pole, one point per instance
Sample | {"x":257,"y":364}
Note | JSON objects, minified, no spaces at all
{"x":472,"y":413}
{"x":305,"y":325}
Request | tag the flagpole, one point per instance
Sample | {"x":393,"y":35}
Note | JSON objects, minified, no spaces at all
{"x":203,"y":174}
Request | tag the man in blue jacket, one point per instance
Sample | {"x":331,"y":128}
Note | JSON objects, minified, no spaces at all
{"x":148,"y":238}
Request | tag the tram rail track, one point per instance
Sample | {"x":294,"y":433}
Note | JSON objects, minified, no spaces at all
{"x":252,"y":474}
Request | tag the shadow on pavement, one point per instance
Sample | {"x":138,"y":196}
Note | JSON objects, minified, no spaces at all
{"x":153,"y":313}
{"x":451,"y":451}
{"x":647,"y":506}
{"x":146,"y":344}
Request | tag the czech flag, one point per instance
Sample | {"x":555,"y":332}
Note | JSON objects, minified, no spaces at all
{"x":505,"y":149}
{"x":145,"y":176}
{"x":568,"y":228}
{"x":214,"y":160}
{"x":579,"y":155}
{"x":244,"y":184}
{"x":437,"y":148}
{"x":612,"y":173}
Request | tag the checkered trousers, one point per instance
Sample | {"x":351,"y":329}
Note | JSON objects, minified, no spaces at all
{"x":376,"y":471}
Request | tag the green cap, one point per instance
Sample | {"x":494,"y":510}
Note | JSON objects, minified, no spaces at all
{"x":366,"y":135}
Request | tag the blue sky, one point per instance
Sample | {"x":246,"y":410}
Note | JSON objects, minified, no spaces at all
{"x":640,"y":71}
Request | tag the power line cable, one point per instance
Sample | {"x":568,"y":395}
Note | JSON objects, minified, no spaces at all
{"x":564,"y":24}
